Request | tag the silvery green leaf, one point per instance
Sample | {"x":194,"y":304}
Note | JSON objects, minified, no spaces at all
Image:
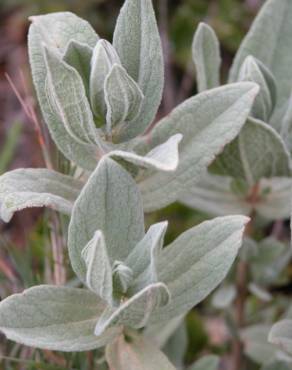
{"x":34,"y":187}
{"x":99,"y":271}
{"x":137,"y":41}
{"x":210,"y":362}
{"x":78,"y":56}
{"x":271,"y":259}
{"x":256,"y":346}
{"x":161,"y":332}
{"x":206,"y":56}
{"x":177,"y":345}
{"x":260,"y":292}
{"x":103,"y":58}
{"x":273,"y":48}
{"x":136,"y":311}
{"x":144,"y":257}
{"x":224,"y":296}
{"x":67,"y":92}
{"x":207,"y":122}
{"x":138,"y":353}
{"x":277,"y":365}
{"x":214,"y":196}
{"x":164,"y":157}
{"x":286,"y":128}
{"x":258,"y":152}
{"x":276,"y":202}
{"x":110,"y":201}
{"x":255,"y":71}
{"x":57,"y":30}
{"x":281,"y":335}
{"x":123,"y":98}
{"x":122,"y":277}
{"x":55,"y":318}
{"x":197,"y":262}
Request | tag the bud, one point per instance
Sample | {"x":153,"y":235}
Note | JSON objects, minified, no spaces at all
{"x":103,"y":58}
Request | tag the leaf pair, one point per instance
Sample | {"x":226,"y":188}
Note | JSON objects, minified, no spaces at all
{"x":133,"y":281}
{"x":262,"y":148}
{"x":77,"y":65}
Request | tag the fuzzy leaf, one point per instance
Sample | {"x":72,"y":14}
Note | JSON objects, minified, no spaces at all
{"x":56,"y":318}
{"x":144,"y":257}
{"x":138,"y":353}
{"x":206,"y":56}
{"x":177,"y":345}
{"x":276,"y":203}
{"x":286,"y":128}
{"x":110,"y":201}
{"x":68,"y":97}
{"x":256,"y":345}
{"x":207,"y":122}
{"x":122,"y":277}
{"x":281,"y":335}
{"x":255,"y":71}
{"x":137,"y":41}
{"x":224,"y":296}
{"x":34,"y":187}
{"x":136,"y":311}
{"x":210,"y":362}
{"x":258,"y":152}
{"x":103,"y":58}
{"x":56,"y":30}
{"x":99,"y":272}
{"x":123,"y":97}
{"x":213,"y":195}
{"x":78,"y":56}
{"x":164,"y":157}
{"x":197,"y":262}
{"x":278,"y":365}
{"x":273,"y":48}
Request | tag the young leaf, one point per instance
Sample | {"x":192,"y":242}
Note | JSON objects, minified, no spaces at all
{"x":255,"y":71}
{"x":110,"y":202}
{"x":66,"y":90}
{"x":281,"y":335}
{"x":144,"y":254}
{"x":103,"y":58}
{"x":57,"y":30}
{"x":137,"y":41}
{"x":206,"y":56}
{"x":273,"y":48}
{"x":207,"y":122}
{"x":78,"y":56}
{"x":210,"y":362}
{"x":135,"y":312}
{"x":99,"y":271}
{"x":258,"y":152}
{"x":196,"y":263}
{"x":34,"y":187}
{"x":163,"y":157}
{"x":56,"y":318}
{"x":137,"y":353}
{"x":123,"y":97}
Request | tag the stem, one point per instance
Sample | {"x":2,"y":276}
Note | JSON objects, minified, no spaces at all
{"x":241,"y":286}
{"x":237,"y":362}
{"x":57,"y":247}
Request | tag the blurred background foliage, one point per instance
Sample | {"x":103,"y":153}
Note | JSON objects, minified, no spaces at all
{"x":25,"y":250}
